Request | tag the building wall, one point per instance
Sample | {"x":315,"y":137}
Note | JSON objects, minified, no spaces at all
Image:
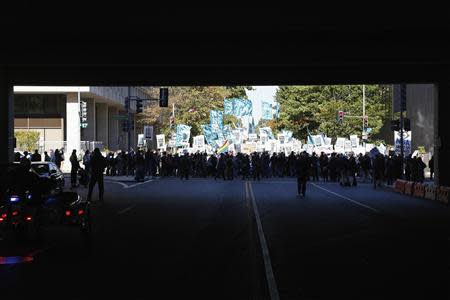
{"x":101,"y":126}
{"x":113,"y":129}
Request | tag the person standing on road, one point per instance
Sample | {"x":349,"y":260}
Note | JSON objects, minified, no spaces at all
{"x":87,"y":161}
{"x":98,"y":165}
{"x":378,"y":170}
{"x":74,"y":169}
{"x":36,"y":156}
{"x":47,"y":157}
{"x":302,"y":166}
{"x":58,"y":158}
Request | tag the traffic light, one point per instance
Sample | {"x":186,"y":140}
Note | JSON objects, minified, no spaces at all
{"x":366,"y":122}
{"x":395,"y":125}
{"x":340,"y":116}
{"x":138,"y":106}
{"x":406,"y":124}
{"x":127,"y":104}
{"x":163,"y":97}
{"x":124,"y":125}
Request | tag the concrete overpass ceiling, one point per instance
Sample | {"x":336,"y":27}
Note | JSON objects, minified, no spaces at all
{"x":196,"y":44}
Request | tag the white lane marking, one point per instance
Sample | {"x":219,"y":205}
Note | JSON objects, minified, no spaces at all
{"x":126,"y":209}
{"x":347,"y":198}
{"x":273,"y":290}
{"x":126,"y":186}
{"x":137,"y":184}
{"x":117,"y":182}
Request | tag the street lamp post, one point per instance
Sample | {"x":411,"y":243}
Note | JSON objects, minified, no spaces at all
{"x":364,"y":114}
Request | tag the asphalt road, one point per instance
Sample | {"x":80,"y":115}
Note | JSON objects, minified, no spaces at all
{"x":206,"y":239}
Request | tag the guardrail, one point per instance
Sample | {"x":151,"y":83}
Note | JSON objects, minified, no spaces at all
{"x":422,"y":190}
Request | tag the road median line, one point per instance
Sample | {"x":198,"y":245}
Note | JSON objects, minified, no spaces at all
{"x":271,"y":282}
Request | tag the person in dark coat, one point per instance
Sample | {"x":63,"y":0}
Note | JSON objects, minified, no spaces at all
{"x":184,"y":166}
{"x":431,"y":166}
{"x":378,"y":170}
{"x":47,"y":157}
{"x":58,"y":158}
{"x":36,"y":156}
{"x":74,"y":169}
{"x":302,"y":166}
{"x":98,"y":165}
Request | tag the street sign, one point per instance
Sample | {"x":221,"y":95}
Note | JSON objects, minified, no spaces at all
{"x":148,"y":132}
{"x":120,"y":117}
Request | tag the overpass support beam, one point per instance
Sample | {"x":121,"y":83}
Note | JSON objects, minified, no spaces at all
{"x":6,"y":118}
{"x":73,"y":124}
{"x":442,"y":134}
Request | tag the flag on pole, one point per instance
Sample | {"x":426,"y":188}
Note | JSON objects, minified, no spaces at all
{"x":310,"y":138}
{"x":223,"y":148}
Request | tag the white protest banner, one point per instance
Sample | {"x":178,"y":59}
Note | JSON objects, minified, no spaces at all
{"x":140,"y":140}
{"x":348,"y":146}
{"x":199,"y":142}
{"x":382,"y":149}
{"x":406,"y":143}
{"x":263,"y":138}
{"x":237,"y":136}
{"x":160,"y":141}
{"x":354,"y":140}
{"x":369,"y":147}
{"x":317,"y":140}
{"x":252,"y":137}
{"x":172,"y":143}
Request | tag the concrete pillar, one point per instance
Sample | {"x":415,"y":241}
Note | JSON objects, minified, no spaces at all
{"x":113,"y":126}
{"x":7,"y":118}
{"x":88,"y":134}
{"x":442,"y":135}
{"x":73,"y":130}
{"x":420,"y":108}
{"x":101,"y":111}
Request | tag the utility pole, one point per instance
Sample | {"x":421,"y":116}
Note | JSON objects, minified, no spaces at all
{"x":363,"y":110}
{"x":129,"y":120}
{"x":402,"y":107}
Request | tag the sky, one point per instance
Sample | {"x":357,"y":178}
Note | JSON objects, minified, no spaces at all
{"x":258,"y":95}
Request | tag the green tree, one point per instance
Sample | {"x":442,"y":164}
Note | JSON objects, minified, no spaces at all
{"x":192,"y":107}
{"x":316,"y":107}
{"x":27,"y":140}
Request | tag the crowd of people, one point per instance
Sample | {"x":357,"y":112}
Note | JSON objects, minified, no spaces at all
{"x":227,"y":166}
{"x":336,"y":167}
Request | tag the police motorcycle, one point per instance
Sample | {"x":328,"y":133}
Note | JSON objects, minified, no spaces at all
{"x":31,"y":202}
